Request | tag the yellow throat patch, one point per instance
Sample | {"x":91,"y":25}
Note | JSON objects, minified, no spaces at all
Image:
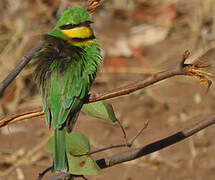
{"x":79,"y":35}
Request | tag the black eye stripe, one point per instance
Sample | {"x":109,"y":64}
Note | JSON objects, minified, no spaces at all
{"x":71,"y":26}
{"x":67,"y":26}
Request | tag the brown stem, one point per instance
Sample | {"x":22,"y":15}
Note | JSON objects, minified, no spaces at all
{"x":155,"y":146}
{"x":138,"y":134}
{"x":136,"y":153}
{"x":126,"y":144}
{"x":101,"y":96}
{"x":22,"y":63}
{"x":136,"y":86}
{"x":20,"y":116}
{"x":180,"y":69}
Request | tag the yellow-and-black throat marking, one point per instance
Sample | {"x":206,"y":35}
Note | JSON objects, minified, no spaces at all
{"x":78,"y":32}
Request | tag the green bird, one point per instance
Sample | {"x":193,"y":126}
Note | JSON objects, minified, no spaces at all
{"x":65,"y":68}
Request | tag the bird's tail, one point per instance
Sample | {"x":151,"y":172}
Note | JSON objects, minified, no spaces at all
{"x":60,"y":156}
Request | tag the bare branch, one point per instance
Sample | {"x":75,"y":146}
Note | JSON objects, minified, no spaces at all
{"x":22,"y":63}
{"x":136,"y":153}
{"x":156,"y":146}
{"x":126,"y":144}
{"x":138,"y":134}
{"x":180,"y":69}
{"x":20,"y":116}
{"x":123,"y":131}
{"x":189,"y":70}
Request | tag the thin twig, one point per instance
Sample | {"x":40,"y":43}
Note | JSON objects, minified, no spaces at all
{"x":127,"y":144}
{"x":138,"y":134}
{"x":123,"y":131}
{"x":180,"y":69}
{"x":125,"y":90}
{"x":40,"y":176}
{"x":21,"y":116}
{"x":106,"y":148}
{"x":22,"y":63}
{"x":155,"y":146}
{"x":135,"y":153}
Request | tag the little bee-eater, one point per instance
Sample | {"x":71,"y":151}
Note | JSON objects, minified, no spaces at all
{"x":65,"y":68}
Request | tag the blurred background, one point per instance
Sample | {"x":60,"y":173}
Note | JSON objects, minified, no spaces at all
{"x":137,"y":39}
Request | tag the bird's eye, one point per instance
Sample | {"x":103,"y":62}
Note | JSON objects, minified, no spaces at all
{"x":67,"y":26}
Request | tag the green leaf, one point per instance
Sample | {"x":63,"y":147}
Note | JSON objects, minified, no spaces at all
{"x":77,"y":143}
{"x":50,"y":145}
{"x":83,"y":165}
{"x":100,"y":109}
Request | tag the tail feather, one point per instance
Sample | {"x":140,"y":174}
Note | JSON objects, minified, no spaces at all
{"x":60,"y":157}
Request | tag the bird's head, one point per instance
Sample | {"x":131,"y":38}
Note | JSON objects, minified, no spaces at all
{"x":74,"y":26}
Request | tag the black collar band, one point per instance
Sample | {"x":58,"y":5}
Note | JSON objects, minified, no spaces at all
{"x":84,"y":39}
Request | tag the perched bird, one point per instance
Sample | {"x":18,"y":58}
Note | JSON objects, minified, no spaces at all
{"x":65,"y":68}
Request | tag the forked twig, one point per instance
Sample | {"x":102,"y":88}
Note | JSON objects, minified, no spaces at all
{"x":126,"y":144}
{"x":135,"y":153}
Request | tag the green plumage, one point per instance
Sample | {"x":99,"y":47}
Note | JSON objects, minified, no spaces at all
{"x":64,"y":73}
